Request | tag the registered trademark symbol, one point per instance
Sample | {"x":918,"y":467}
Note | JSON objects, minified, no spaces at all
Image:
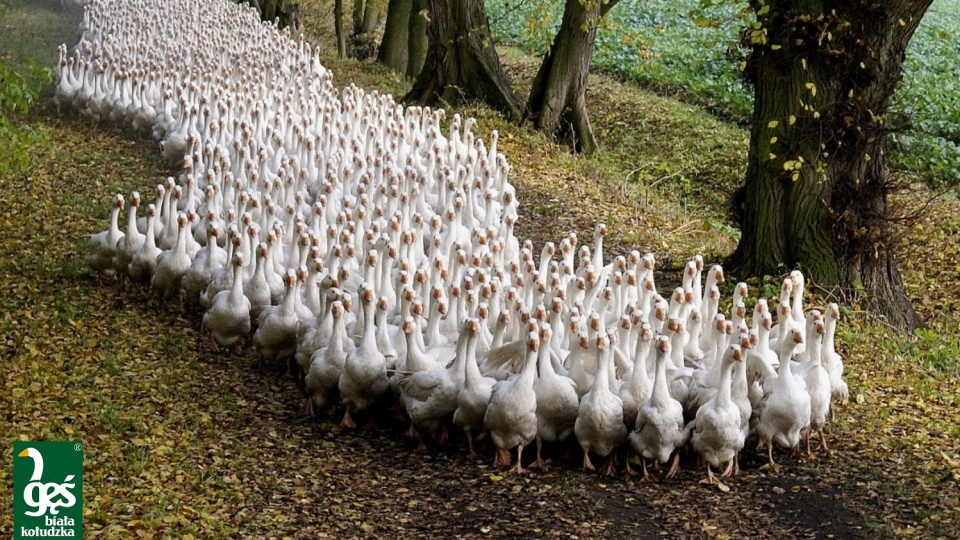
{"x":78,"y":447}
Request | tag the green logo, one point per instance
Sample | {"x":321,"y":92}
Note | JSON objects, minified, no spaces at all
{"x":47,"y":489}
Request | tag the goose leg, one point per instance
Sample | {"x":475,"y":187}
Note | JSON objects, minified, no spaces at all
{"x":627,"y":471}
{"x":348,"y":422}
{"x":646,"y":474}
{"x":539,"y":463}
{"x":823,"y":443}
{"x":587,"y":464}
{"x":470,"y":443}
{"x":519,"y":469}
{"x":441,"y":436}
{"x":728,"y":471}
{"x":674,"y":466}
{"x":609,"y":466}
{"x":710,"y":479}
{"x":772,"y":465}
{"x":501,"y":458}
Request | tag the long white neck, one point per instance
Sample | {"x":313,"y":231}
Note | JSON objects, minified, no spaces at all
{"x":723,"y":391}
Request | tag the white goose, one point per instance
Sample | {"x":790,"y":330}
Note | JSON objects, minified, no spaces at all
{"x":511,"y":416}
{"x":173,"y":263}
{"x":131,"y":242}
{"x":326,"y":363}
{"x":474,"y":395}
{"x":228,"y":318}
{"x":817,"y":383}
{"x":431,"y":395}
{"x":103,"y":245}
{"x":599,"y":426}
{"x":364,"y":378}
{"x":276,"y":335}
{"x":716,"y":430}
{"x":144,"y":261}
{"x":557,"y":402}
{"x":786,"y":411}
{"x":659,"y":429}
{"x":831,"y":359}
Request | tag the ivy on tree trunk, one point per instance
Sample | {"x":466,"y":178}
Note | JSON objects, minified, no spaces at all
{"x":817,"y":183}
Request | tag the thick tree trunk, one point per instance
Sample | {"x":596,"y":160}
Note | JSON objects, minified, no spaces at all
{"x":338,"y":29}
{"x":393,"y":47}
{"x":815,"y":193}
{"x":557,"y":104}
{"x":417,"y":38}
{"x":461,"y":63}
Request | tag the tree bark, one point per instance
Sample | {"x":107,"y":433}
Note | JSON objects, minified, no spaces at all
{"x":338,"y":29}
{"x":358,"y":10}
{"x":461,"y":63}
{"x":394,"y":45}
{"x":557,"y":104}
{"x":816,"y":186}
{"x":372,"y":15}
{"x":417,"y":38}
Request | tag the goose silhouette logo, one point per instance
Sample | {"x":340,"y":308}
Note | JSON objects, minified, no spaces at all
{"x":48,"y":487}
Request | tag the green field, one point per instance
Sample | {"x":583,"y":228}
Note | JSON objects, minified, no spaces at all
{"x":659,"y":43}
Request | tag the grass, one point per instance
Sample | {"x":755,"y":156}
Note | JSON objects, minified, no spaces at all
{"x":181,"y":442}
{"x":659,"y":44}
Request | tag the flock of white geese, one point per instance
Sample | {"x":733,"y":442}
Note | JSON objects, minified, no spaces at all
{"x":374,"y":250}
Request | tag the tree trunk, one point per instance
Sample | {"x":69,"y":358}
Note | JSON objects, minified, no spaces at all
{"x":557,"y":104}
{"x":372,"y":15}
{"x":366,"y":19}
{"x":358,"y":10}
{"x":816,"y":187}
{"x":461,"y":62}
{"x":417,"y":38}
{"x":393,"y":47}
{"x":338,"y":29}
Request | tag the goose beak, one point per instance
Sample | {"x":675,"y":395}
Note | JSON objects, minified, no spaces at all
{"x":24,"y":453}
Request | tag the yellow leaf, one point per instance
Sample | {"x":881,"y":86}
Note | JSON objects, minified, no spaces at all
{"x":495,"y":478}
{"x":775,"y":47}
{"x":792,"y":120}
{"x":773,"y":140}
{"x":772,"y":124}
{"x":902,"y":22}
{"x":138,"y":442}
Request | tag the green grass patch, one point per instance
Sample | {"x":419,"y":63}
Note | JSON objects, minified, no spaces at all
{"x":659,"y":43}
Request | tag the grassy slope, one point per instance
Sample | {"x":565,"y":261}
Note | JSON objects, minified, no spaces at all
{"x":181,"y":442}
